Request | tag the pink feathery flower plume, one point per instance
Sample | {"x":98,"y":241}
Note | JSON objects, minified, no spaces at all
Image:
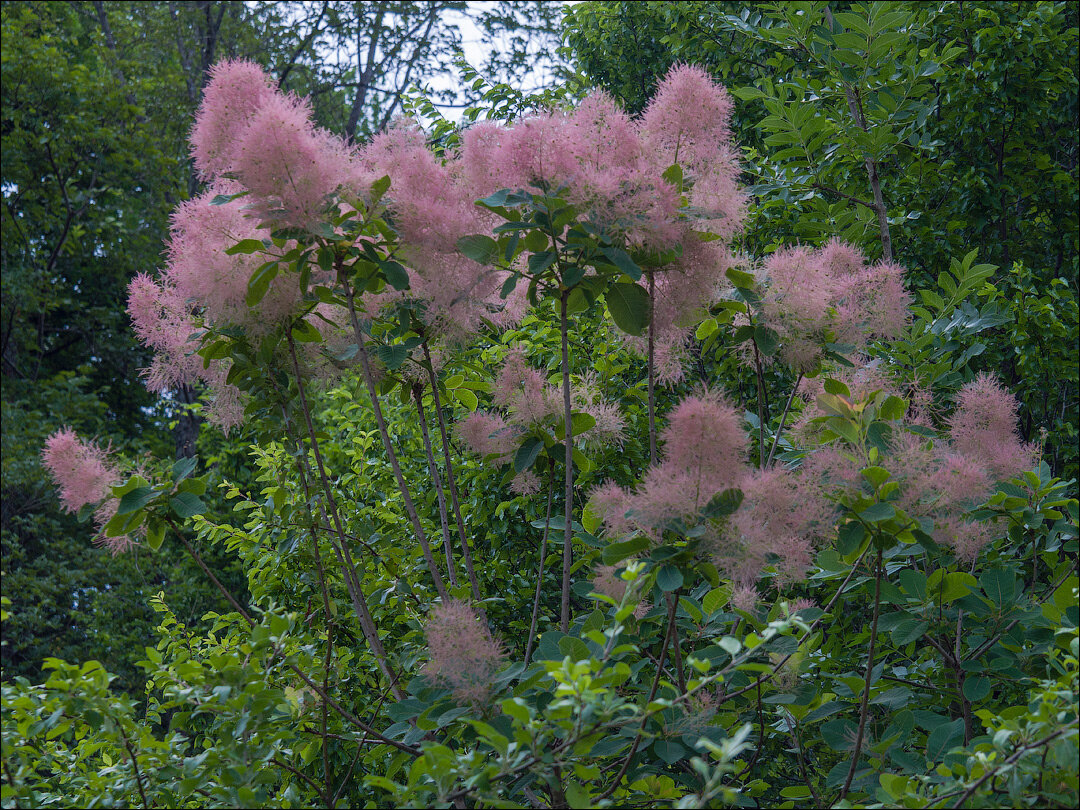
{"x":983,"y":426}
{"x":85,"y":475}
{"x":247,"y":129}
{"x":464,"y":655}
{"x":688,"y":121}
{"x":529,"y":400}
{"x":782,"y":518}
{"x":684,"y":290}
{"x":704,"y":454}
{"x":235,"y":91}
{"x":292,"y":167}
{"x":939,"y":480}
{"x":163,"y":321}
{"x":813,"y":296}
{"x":205,"y":276}
{"x":80,"y":469}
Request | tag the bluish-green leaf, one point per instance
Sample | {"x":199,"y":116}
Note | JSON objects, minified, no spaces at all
{"x":478,"y":247}
{"x":621,"y":259}
{"x":526,"y":455}
{"x":629,"y":307}
{"x":186,"y":504}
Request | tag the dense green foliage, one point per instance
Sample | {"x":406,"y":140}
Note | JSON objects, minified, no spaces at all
{"x":898,"y":673}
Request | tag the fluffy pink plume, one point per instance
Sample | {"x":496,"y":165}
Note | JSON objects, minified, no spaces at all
{"x":204,"y":275}
{"x":983,"y":426}
{"x":235,"y":91}
{"x":704,"y":437}
{"x":290,"y":166}
{"x":966,"y":537}
{"x":432,"y":209}
{"x":488,"y":434}
{"x":688,"y":120}
{"x":704,"y":454}
{"x":81,"y":470}
{"x":85,"y":475}
{"x":464,"y":655}
{"x":163,"y":321}
{"x":782,"y":518}
{"x":524,"y":391}
{"x":814,"y":295}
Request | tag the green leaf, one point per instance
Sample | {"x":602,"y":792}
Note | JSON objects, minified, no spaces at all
{"x":723,"y":503}
{"x":396,"y":275}
{"x":876,"y":476}
{"x":575,"y":648}
{"x":590,"y":518}
{"x":246,"y":246}
{"x":479,"y":248}
{"x":135,"y":500}
{"x":670,"y":752}
{"x":879,"y":434}
{"x":836,"y":387}
{"x":225,"y":199}
{"x":539,"y":262}
{"x":908,"y":630}
{"x":944,"y":737}
{"x":579,"y":423}
{"x":621,"y":259}
{"x":466,"y":397}
{"x":306,"y":332}
{"x":838,"y":734}
{"x":379,"y":188}
{"x":509,"y":285}
{"x":184,"y":467}
{"x":629,"y":307}
{"x":849,"y":537}
{"x":744,"y":281}
{"x":535,"y":241}
{"x":914,"y":583}
{"x":617,"y":552}
{"x":186,"y":505}
{"x":976,"y":687}
{"x":259,"y":283}
{"x":526,"y":455}
{"x":999,"y":585}
{"x":947,"y":587}
{"x":155,"y":533}
{"x":716,"y":599}
{"x":878,"y":512}
{"x":766,"y":339}
{"x":674,"y":175}
{"x":515,"y":709}
{"x":669,"y":578}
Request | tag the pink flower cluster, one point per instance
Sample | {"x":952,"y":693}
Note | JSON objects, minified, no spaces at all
{"x":245,"y":128}
{"x":165,"y":322}
{"x":814,"y":296}
{"x":85,"y":475}
{"x":782,"y":516}
{"x":608,"y":166}
{"x":939,"y":479}
{"x":463,"y":654}
{"x":253,"y":141}
{"x":528,"y":400}
{"x":432,"y":207}
{"x":704,"y":454}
